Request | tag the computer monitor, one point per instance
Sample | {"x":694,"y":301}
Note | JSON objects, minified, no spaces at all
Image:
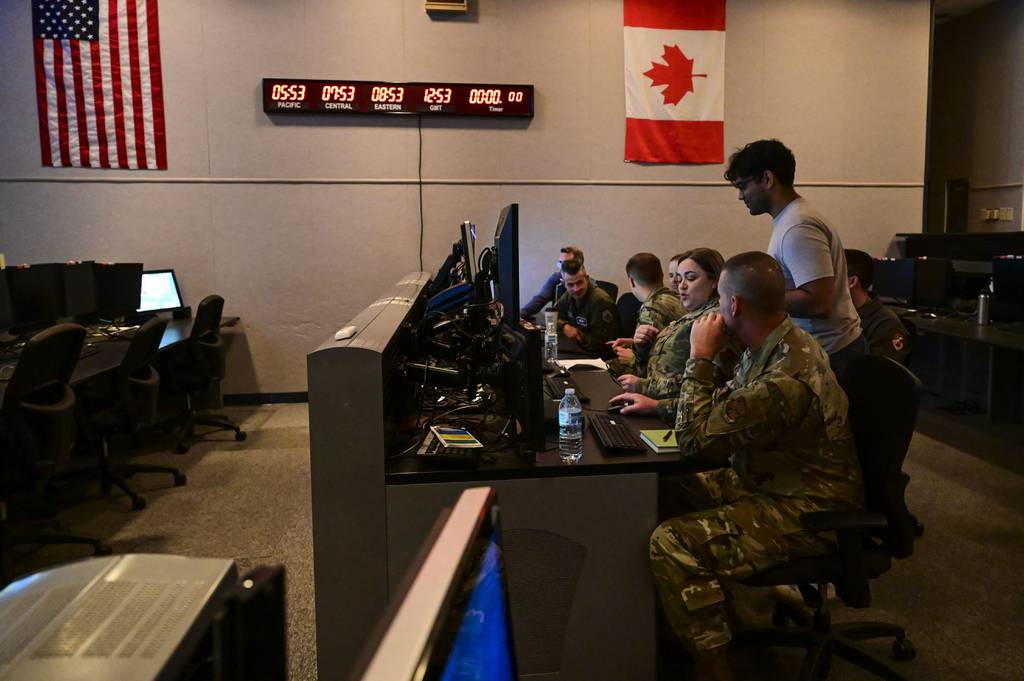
{"x":521,"y":358}
{"x":118,"y":288}
{"x":506,"y":243}
{"x":159,"y":291}
{"x":451,"y":620}
{"x":36,"y":292}
{"x":468,"y":241}
{"x":6,"y":310}
{"x":78,"y":283}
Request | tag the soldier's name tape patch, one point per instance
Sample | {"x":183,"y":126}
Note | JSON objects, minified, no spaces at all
{"x":581,"y":321}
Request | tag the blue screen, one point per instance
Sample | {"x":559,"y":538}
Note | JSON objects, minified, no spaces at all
{"x":483,"y":643}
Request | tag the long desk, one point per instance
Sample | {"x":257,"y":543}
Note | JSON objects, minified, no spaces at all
{"x":966,"y":361}
{"x":575,"y":535}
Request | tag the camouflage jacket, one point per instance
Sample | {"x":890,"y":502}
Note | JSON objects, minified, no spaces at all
{"x":664,"y":376}
{"x":782,"y":421}
{"x":594,"y":314}
{"x":660,"y":309}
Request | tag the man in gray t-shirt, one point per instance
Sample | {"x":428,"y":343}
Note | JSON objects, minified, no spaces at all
{"x":810,"y":252}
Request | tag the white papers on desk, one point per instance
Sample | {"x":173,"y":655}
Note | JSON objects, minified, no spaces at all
{"x":570,"y":363}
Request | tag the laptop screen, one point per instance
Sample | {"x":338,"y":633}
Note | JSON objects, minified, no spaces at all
{"x":159,"y":291}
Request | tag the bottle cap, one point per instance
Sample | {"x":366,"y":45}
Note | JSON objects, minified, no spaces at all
{"x":570,"y":391}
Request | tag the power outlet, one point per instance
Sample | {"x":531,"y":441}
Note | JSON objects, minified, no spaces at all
{"x":989,"y":214}
{"x":1006,"y":213}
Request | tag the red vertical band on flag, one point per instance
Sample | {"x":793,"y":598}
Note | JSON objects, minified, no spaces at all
{"x":653,"y":141}
{"x":62,"y":102}
{"x":115,"y":85}
{"x":693,"y":15}
{"x":133,"y":60}
{"x":97,"y":100}
{"x":83,"y":131}
{"x":156,"y":84}
{"x":46,"y":153}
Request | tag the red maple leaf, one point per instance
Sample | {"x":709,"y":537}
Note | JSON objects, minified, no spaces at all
{"x":676,"y":72}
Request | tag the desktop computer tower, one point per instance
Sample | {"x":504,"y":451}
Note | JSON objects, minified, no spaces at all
{"x":1008,"y":288}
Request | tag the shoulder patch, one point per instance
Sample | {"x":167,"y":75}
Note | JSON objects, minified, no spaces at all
{"x":898,"y":341}
{"x":735,"y":409}
{"x":607,"y":316}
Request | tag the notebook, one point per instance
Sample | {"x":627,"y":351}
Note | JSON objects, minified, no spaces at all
{"x":656,"y":440}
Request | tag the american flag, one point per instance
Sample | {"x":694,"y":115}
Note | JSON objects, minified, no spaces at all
{"x":98,"y":84}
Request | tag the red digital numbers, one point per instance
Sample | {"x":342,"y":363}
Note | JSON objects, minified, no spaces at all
{"x":391,"y":95}
{"x":288,"y":93}
{"x":338,"y":93}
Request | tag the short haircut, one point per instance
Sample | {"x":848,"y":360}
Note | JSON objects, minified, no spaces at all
{"x":757,"y":157}
{"x":572,"y":266}
{"x":645,"y":268}
{"x":756,"y":278}
{"x":708,"y":259}
{"x":861,"y":265}
{"x":573,"y":251}
{"x":679,"y":257}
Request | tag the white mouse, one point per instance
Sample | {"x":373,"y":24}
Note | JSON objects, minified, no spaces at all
{"x":345,"y":332}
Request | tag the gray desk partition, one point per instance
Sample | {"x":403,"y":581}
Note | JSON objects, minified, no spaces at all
{"x":581,"y":595}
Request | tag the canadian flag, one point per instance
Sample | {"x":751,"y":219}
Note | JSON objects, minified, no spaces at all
{"x":675,"y":80}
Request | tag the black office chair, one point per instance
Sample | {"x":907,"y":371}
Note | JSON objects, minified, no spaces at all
{"x":611,"y":289}
{"x":37,"y":419}
{"x":198,"y":370}
{"x":130,"y":409}
{"x":883,"y":410}
{"x":629,"y":310}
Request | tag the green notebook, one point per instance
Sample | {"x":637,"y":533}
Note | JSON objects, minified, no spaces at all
{"x":661,"y":441}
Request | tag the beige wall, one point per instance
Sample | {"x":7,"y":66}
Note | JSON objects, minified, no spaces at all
{"x":299,"y":223}
{"x":978,"y":113}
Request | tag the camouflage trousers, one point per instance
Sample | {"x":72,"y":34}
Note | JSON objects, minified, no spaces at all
{"x":739,"y":533}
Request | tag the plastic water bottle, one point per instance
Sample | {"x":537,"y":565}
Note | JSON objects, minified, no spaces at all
{"x":570,"y":428}
{"x":550,"y":336}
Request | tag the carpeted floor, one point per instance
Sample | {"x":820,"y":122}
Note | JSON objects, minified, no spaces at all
{"x":960,"y":594}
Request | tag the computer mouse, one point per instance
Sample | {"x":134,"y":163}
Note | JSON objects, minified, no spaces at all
{"x":345,"y":332}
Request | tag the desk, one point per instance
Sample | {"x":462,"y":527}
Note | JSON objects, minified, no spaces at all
{"x":964,"y":360}
{"x":576,"y":535}
{"x":110,"y":351}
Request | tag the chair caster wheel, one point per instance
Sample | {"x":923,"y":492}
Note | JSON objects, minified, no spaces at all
{"x":180,"y":479}
{"x":918,"y":529}
{"x":138,"y":503}
{"x":240,"y":436}
{"x":903,"y":649}
{"x":181,"y":449}
{"x":102,"y":550}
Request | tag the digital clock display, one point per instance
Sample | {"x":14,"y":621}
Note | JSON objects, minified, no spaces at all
{"x":289,"y":95}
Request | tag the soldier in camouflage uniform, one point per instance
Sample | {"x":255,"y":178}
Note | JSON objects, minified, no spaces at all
{"x":659,"y":308}
{"x":884,"y":331}
{"x":781,"y":425}
{"x":662,"y":378}
{"x":586,"y":314}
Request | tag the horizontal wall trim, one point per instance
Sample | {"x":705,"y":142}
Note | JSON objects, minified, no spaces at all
{"x":435,"y":181}
{"x":986,"y":187}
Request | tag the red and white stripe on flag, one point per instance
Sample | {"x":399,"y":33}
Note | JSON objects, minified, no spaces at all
{"x":675,"y":80}
{"x":99,"y":88}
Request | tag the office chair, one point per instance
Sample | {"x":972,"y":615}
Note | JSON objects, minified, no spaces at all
{"x":883,"y":410}
{"x":131,"y":410}
{"x":611,"y":289}
{"x":629,"y":310}
{"x":198,"y":371}
{"x":38,"y":423}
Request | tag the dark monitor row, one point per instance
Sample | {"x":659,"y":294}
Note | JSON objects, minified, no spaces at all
{"x":39,"y":294}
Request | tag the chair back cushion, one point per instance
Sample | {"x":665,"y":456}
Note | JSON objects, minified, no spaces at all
{"x":884,"y":397}
{"x":629,"y":310}
{"x":48,"y":357}
{"x":608,"y":287}
{"x":207,"y":317}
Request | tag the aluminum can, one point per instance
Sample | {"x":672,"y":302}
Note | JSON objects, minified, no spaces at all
{"x":984,"y":308}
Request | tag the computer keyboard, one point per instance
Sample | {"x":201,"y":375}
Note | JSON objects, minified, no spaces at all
{"x":555,"y":387}
{"x":615,"y":436}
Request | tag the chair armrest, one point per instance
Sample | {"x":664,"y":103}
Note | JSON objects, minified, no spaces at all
{"x":843,"y":521}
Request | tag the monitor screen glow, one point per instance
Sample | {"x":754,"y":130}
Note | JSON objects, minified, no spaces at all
{"x":159,"y":291}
